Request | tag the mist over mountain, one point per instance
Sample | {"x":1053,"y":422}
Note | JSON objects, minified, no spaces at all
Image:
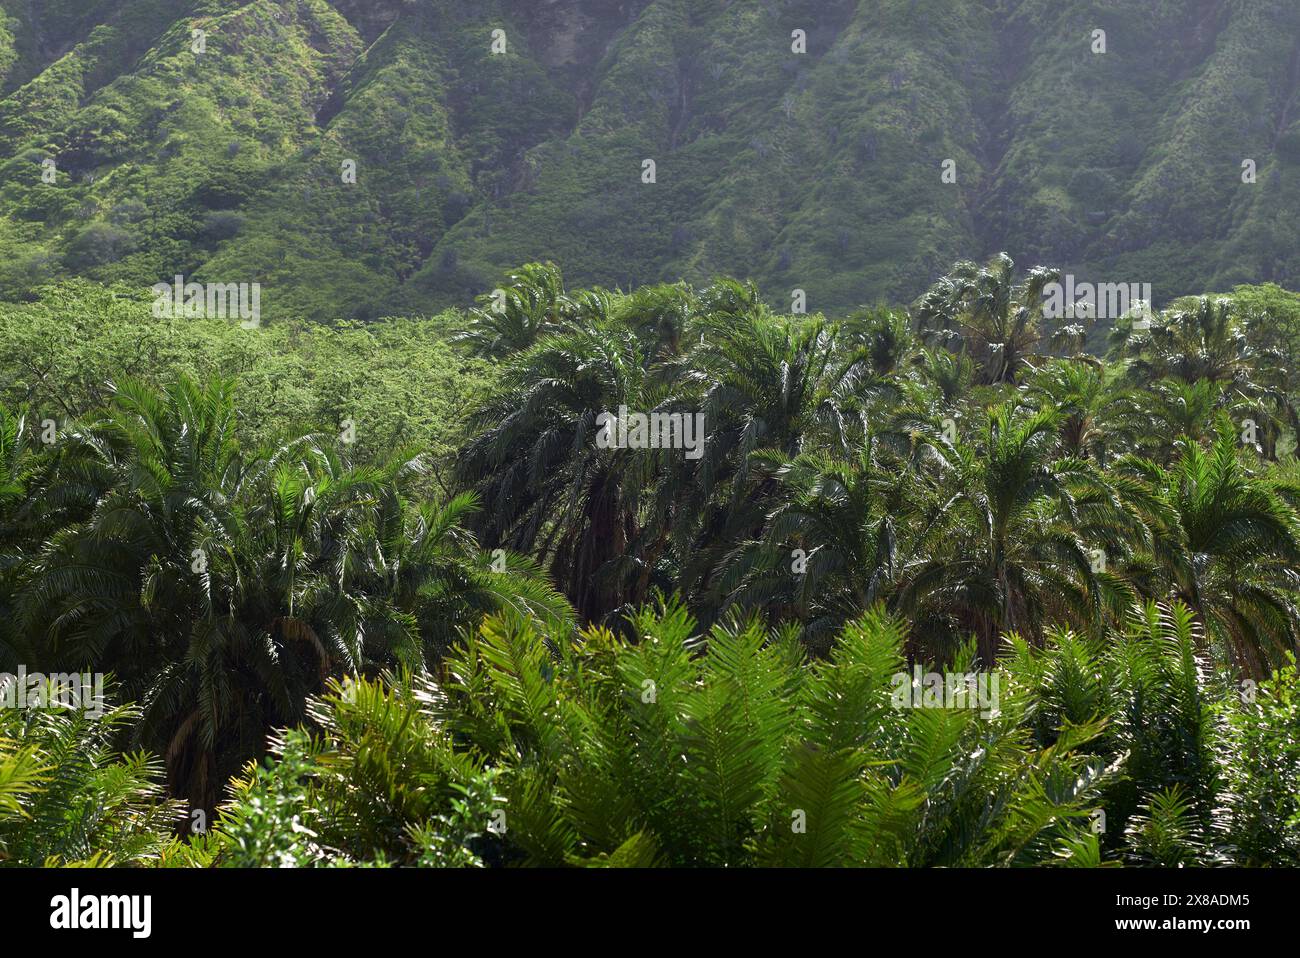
{"x":801,"y":144}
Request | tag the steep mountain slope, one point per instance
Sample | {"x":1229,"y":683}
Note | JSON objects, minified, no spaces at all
{"x":800,"y":142}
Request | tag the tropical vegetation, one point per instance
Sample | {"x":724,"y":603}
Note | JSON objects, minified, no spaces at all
{"x":375,"y":594}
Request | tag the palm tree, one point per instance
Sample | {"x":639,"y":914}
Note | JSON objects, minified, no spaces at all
{"x":1227,"y":541}
{"x":1204,"y":341}
{"x":157,"y":475}
{"x":951,"y":374}
{"x":769,"y":383}
{"x":228,"y":587}
{"x":763,"y":383}
{"x":828,"y":549}
{"x":659,"y":316}
{"x":25,"y":515}
{"x":1011,"y":541}
{"x":886,"y":337}
{"x":997,"y":320}
{"x":1210,"y":341}
{"x":154,"y":579}
{"x":529,"y":305}
{"x":429,"y":567}
{"x":1171,"y":408}
{"x":1094,"y":412}
{"x":547,"y":486}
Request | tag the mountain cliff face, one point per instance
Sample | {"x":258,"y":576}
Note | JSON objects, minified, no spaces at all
{"x":802,"y":143}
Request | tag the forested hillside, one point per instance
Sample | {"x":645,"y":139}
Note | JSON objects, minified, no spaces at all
{"x":820,"y":170}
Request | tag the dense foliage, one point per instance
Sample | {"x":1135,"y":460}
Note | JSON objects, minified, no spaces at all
{"x":377,"y":595}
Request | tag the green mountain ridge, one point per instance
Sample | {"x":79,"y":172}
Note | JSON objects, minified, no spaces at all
{"x":818,"y":171}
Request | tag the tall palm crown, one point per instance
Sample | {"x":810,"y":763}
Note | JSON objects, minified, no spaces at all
{"x":546,"y":484}
{"x":996,"y":319}
{"x":1012,"y":541}
{"x":1228,"y":540}
{"x":827,"y":549}
{"x":530,"y":304}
